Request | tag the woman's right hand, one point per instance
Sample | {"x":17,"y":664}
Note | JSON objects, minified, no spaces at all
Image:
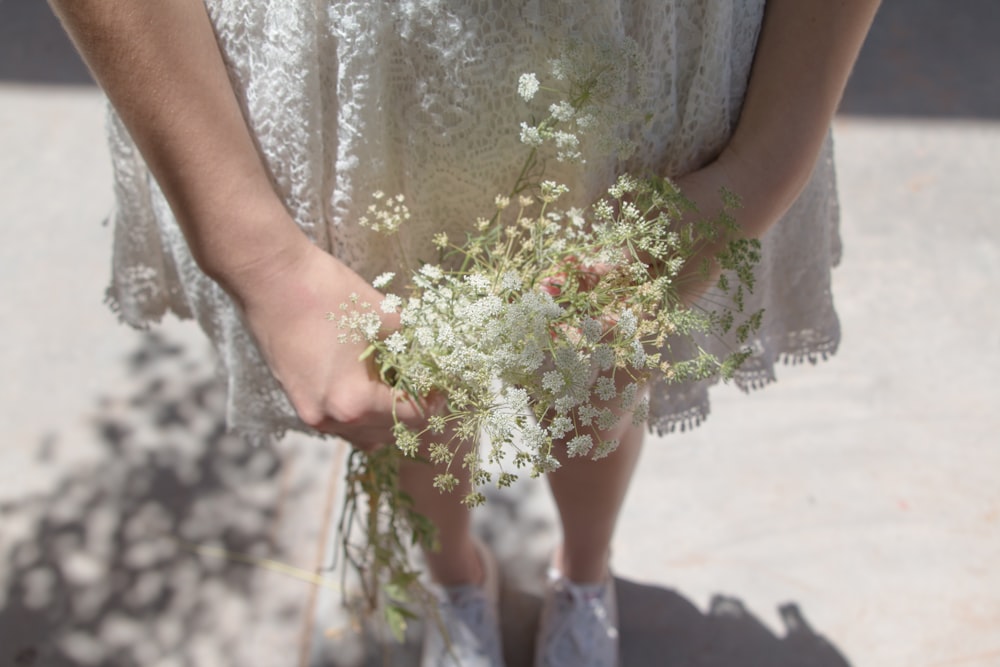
{"x":162,"y":69}
{"x":285,"y":302}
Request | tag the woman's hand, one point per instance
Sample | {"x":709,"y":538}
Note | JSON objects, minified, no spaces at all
{"x":285,"y":301}
{"x":761,"y":204}
{"x":803,"y":58}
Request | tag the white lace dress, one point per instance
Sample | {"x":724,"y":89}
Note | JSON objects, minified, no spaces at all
{"x":417,"y":96}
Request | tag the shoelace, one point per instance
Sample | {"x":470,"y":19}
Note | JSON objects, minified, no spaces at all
{"x":586,"y":619}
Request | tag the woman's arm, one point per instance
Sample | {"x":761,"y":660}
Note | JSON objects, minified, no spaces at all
{"x":804,"y":55}
{"x":160,"y":65}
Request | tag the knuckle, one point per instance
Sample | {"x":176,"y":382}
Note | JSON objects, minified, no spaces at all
{"x":309,"y":413}
{"x":348,"y":407}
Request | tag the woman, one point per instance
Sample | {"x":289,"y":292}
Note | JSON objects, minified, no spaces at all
{"x":246,"y":135}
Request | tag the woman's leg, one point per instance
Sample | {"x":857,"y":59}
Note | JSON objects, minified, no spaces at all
{"x":457,"y":561}
{"x":589,"y":495}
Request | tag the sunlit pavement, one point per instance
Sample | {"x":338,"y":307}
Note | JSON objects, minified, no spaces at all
{"x":848,"y":515}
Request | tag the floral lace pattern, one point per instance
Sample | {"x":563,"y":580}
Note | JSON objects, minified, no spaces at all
{"x":345,"y":97}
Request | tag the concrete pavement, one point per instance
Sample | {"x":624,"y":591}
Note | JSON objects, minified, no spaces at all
{"x":848,"y":515}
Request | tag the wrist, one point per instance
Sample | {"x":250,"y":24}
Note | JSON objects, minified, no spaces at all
{"x":767,"y":183}
{"x":256,"y":244}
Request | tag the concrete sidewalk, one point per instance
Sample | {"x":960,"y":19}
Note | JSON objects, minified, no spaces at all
{"x":847,"y":516}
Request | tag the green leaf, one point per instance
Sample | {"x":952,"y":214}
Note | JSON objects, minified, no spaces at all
{"x":396,"y":619}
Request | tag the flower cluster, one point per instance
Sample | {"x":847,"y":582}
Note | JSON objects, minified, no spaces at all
{"x":546,"y":338}
{"x":597,"y":91}
{"x":543,"y":326}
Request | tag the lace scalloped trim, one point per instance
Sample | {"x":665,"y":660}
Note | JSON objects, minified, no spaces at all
{"x":808,"y":346}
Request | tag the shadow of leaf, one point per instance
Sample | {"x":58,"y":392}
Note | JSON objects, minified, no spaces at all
{"x":104,"y":569}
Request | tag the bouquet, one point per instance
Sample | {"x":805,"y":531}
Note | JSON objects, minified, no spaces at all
{"x":541,"y":327}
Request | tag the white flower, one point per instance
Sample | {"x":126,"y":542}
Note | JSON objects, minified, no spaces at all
{"x":545,"y":463}
{"x":605,"y":388}
{"x":585,"y":121}
{"x":478,"y":282}
{"x":603,"y":357}
{"x":603,"y":211}
{"x":510,"y":281}
{"x":396,"y":343}
{"x":604,"y":448}
{"x":530,"y":136}
{"x":560,"y":426}
{"x":585,"y":414}
{"x":411,"y":314}
{"x":628,"y":394}
{"x":568,"y":145}
{"x":575,"y":369}
{"x":527,"y":86}
{"x":383,"y":280}
{"x":627,"y":323}
{"x":564,"y":404}
{"x":531,"y":358}
{"x":425,"y":336}
{"x":592,"y":330}
{"x":432,"y":271}
{"x":477,"y":313}
{"x":579,"y":445}
{"x":369,"y":324}
{"x":534,"y":436}
{"x":562,"y":111}
{"x":576,"y":217}
{"x":553,"y":381}
{"x":386,"y":214}
{"x":566,"y":139}
{"x":641,"y":412}
{"x":606,"y":419}
{"x":552,"y":191}
{"x":638,"y":359}
{"x":391,"y":303}
{"x":517,"y":399}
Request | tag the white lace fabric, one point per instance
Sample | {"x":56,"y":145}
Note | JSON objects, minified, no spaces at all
{"x":345,"y":97}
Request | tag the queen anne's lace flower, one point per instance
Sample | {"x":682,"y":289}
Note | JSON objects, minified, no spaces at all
{"x":527,"y":86}
{"x":592,"y":330}
{"x":396,"y":343}
{"x":391,"y":303}
{"x":531,"y":135}
{"x":552,"y":381}
{"x":579,"y":446}
{"x":605,"y":388}
{"x":383,"y":280}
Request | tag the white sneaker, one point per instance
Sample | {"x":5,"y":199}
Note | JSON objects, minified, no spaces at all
{"x":471,"y":620}
{"x":579,"y":624}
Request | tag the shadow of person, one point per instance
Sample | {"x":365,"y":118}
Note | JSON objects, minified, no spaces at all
{"x":661,"y":628}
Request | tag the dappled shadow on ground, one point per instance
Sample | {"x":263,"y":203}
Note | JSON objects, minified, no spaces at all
{"x":122,"y":560}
